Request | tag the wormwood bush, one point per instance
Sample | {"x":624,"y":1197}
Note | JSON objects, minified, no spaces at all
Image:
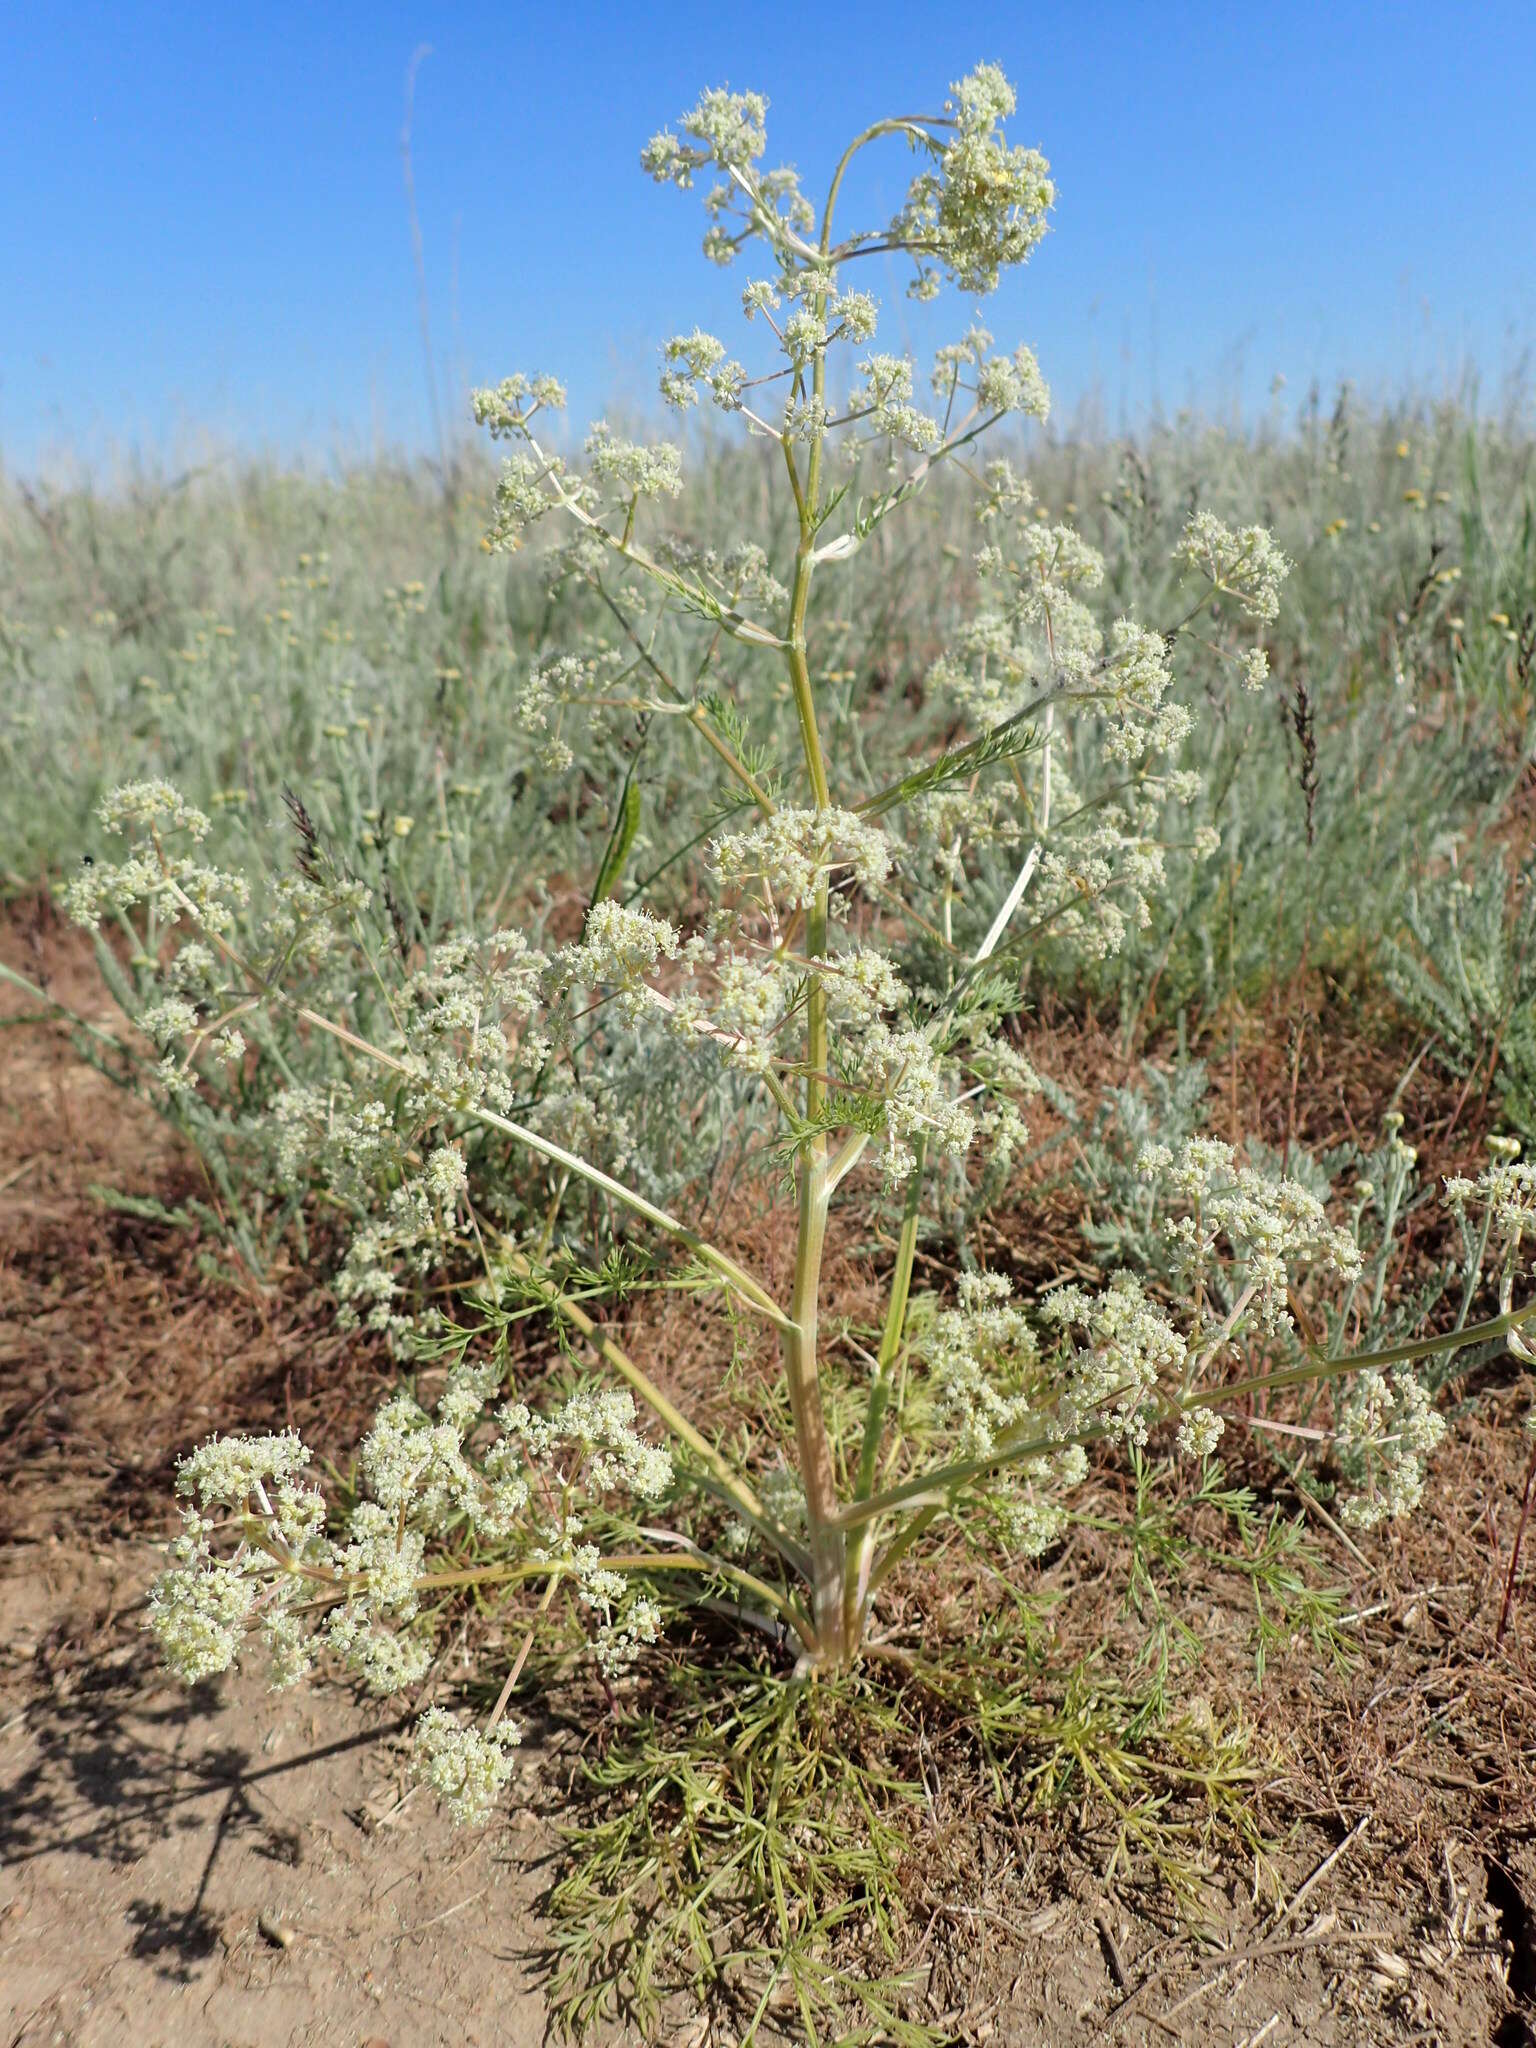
{"x":1465,"y":968}
{"x":832,"y":968}
{"x":1398,"y":720}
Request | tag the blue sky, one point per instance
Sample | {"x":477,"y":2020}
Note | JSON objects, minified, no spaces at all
{"x":203,"y":228}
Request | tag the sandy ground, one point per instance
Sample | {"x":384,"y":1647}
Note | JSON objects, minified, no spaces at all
{"x":227,"y":1867}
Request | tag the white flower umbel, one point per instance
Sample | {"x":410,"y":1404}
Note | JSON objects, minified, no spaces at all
{"x":1386,"y":1430}
{"x":1200,"y":1432}
{"x":795,"y":854}
{"x":253,"y":1560}
{"x":1268,"y":1226}
{"x":600,"y":1424}
{"x":1127,"y":1350}
{"x":982,"y":1358}
{"x":252,"y":1541}
{"x":619,"y":947}
{"x":466,"y":1769}
{"x":1246,"y":565}
{"x":983,"y":204}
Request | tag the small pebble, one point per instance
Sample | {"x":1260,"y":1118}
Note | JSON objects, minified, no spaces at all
{"x":274,"y":1930}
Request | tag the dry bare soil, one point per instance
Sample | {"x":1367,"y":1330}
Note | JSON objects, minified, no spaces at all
{"x":232,"y":1867}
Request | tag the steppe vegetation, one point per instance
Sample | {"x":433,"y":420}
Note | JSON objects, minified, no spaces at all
{"x":902,"y":1047}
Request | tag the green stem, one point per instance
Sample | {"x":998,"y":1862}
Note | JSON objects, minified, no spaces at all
{"x":694,"y":713}
{"x":41,"y":995}
{"x":861,"y":1585}
{"x":935,"y":1488}
{"x":794,"y":655}
{"x":828,"y":1549}
{"x":639,"y":1561}
{"x":522,"y":1657}
{"x":801,"y":1368}
{"x":847,"y":157}
{"x":1475,"y":1272}
{"x":728,"y":1482}
{"x":896,"y":1550}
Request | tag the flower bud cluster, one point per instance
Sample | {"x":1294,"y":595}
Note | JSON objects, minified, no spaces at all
{"x":203,"y":1606}
{"x":984,"y":203}
{"x":794,"y":852}
{"x":1386,"y":1429}
{"x":253,"y":1558}
{"x":551,"y":684}
{"x":1013,"y":384}
{"x":1200,"y":1431}
{"x":1506,"y":1190}
{"x":1100,"y":869}
{"x":1268,"y":1225}
{"x":1246,"y":565}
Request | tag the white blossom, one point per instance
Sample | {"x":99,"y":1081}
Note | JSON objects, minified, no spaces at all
{"x":1200,"y":1431}
{"x":1013,"y":384}
{"x":1387,"y":1428}
{"x":632,"y":470}
{"x":984,"y":205}
{"x":505,"y":409}
{"x":155,"y":804}
{"x":447,"y":1175}
{"x":1246,"y":564}
{"x":1128,"y":1349}
{"x":620,"y":945}
{"x":981,"y":1357}
{"x":1268,"y":1224}
{"x":467,"y":1770}
{"x":794,"y":852}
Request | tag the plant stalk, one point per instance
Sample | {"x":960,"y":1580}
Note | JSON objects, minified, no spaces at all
{"x":859,"y":1585}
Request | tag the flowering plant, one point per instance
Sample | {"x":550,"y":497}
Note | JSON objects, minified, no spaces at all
{"x":836,"y":957}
